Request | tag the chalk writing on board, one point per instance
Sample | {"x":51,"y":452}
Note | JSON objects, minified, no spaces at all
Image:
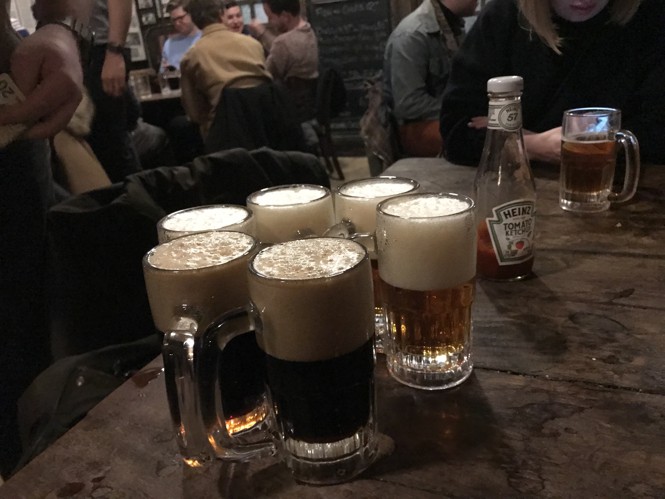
{"x":352,"y":35}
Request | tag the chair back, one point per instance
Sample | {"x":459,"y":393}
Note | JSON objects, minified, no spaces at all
{"x":330,"y":96}
{"x":253,"y":117}
{"x":154,"y":38}
{"x":302,"y":93}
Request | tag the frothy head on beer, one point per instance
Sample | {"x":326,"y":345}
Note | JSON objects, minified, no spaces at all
{"x":315,"y":298}
{"x":204,"y":273}
{"x":289,"y":212}
{"x":377,"y":187}
{"x":308,"y":259}
{"x":287,"y":195}
{"x":203,"y":218}
{"x":198,"y":251}
{"x":356,"y":200}
{"x":426,"y":241}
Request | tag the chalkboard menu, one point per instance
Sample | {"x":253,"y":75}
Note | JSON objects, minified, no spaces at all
{"x":352,"y":35}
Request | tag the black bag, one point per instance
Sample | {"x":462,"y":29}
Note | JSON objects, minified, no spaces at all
{"x":97,"y":239}
{"x":64,"y":393}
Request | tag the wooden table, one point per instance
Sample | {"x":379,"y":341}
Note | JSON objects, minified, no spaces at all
{"x":169,"y":95}
{"x":567,"y":398}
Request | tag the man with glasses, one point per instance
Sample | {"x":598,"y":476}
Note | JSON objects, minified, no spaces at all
{"x":186,"y":34}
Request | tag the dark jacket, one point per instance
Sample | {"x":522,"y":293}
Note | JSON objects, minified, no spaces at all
{"x":254,"y":117}
{"x":601,"y":65}
{"x":97,"y":239}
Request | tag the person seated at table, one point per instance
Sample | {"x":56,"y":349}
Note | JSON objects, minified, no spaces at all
{"x":186,"y":34}
{"x":294,"y":53}
{"x":221,"y":57}
{"x":233,"y":18}
{"x":415,"y":67}
{"x":571,"y":54}
{"x":293,"y":57}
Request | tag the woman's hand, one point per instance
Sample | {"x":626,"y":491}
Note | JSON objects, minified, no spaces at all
{"x":544,"y":146}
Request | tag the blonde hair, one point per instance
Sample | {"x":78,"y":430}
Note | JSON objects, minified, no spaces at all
{"x":537,"y":14}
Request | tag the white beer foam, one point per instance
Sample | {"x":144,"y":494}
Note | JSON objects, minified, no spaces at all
{"x":376,"y":187}
{"x":314,"y":297}
{"x":201,"y":250}
{"x":207,"y":217}
{"x":356,"y":201}
{"x":426,"y":207}
{"x":289,"y":195}
{"x":429,"y":243}
{"x":308,"y":259}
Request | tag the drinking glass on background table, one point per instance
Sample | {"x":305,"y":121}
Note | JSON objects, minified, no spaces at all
{"x":356,"y":201}
{"x":140,"y":84}
{"x":312,"y":310}
{"x":288,"y":212}
{"x":426,"y":244}
{"x":190,"y":281}
{"x":589,"y":139}
{"x":172,"y":78}
{"x":205,"y":218}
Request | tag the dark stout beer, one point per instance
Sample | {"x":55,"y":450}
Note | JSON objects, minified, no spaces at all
{"x":204,"y":275}
{"x":315,"y":302}
{"x":323,"y":401}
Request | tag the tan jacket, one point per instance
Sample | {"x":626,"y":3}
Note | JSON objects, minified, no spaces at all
{"x":221,"y":57}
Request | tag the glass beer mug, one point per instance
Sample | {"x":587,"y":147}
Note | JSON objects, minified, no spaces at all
{"x":426,"y":244}
{"x":312,"y":310}
{"x":589,"y":139}
{"x":355,"y":205}
{"x":287,"y":212}
{"x":190,"y":281}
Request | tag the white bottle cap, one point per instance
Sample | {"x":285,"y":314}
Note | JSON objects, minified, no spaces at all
{"x":502,"y":84}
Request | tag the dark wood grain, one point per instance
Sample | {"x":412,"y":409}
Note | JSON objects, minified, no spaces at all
{"x":567,"y":398}
{"x":498,"y":435}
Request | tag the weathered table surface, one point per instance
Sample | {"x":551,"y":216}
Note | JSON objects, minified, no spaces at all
{"x":567,"y":398}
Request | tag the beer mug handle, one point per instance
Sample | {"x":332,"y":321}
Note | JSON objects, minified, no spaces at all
{"x":246,"y":445}
{"x":178,"y":352}
{"x":367,"y":239}
{"x":344,"y":230}
{"x":631,"y":147}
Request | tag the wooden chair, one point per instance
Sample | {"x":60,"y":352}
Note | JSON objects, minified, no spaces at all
{"x":154,"y":38}
{"x":330,"y":100}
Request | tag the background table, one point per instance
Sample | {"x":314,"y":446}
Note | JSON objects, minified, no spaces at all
{"x":159,"y":109}
{"x":567,"y":398}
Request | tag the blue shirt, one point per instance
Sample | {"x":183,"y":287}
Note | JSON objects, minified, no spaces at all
{"x":175,"y":47}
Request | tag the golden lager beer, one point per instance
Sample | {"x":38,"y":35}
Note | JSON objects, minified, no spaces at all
{"x":587,"y":169}
{"x":426,"y":245}
{"x":590,"y":139}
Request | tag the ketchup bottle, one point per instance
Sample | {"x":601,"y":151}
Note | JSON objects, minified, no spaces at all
{"x":505,"y":192}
